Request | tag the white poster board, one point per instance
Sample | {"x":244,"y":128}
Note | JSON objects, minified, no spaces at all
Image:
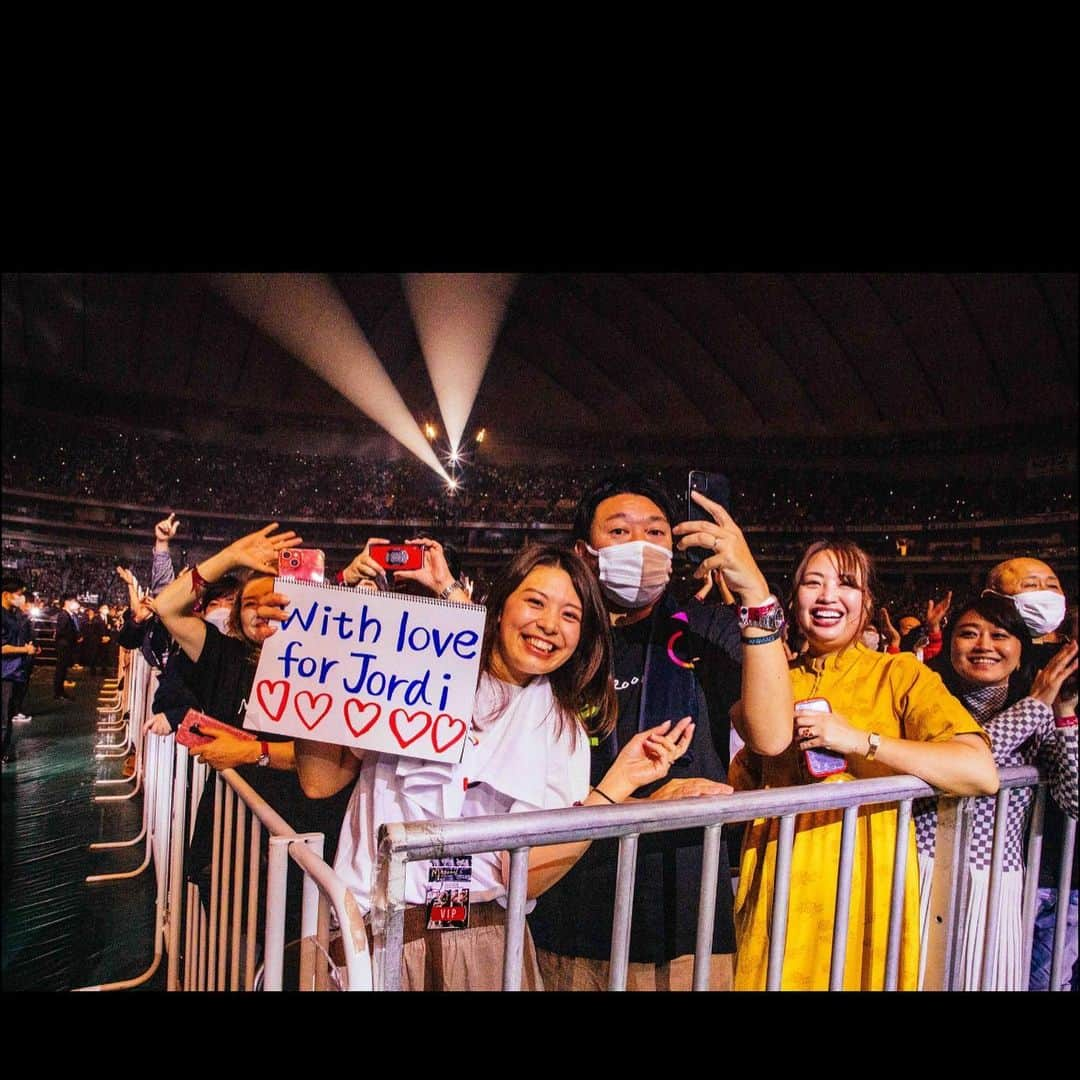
{"x":377,"y":670}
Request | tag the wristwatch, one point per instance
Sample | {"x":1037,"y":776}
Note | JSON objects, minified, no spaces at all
{"x":455,"y":584}
{"x":264,"y":757}
{"x":874,"y":741}
{"x":767,"y":616}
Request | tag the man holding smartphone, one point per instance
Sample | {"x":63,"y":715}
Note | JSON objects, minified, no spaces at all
{"x":671,"y":660}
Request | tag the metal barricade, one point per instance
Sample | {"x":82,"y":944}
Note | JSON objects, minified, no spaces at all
{"x":217,"y":948}
{"x":401,"y":843}
{"x":214,"y":944}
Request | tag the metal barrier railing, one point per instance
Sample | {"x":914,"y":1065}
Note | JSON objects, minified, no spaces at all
{"x":401,"y":843}
{"x":216,"y":945}
{"x":217,"y":948}
{"x":220,"y":936}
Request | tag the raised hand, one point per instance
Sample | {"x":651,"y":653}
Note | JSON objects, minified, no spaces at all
{"x":730,"y":551}
{"x":259,"y":550}
{"x":166,"y":530}
{"x":1046,"y":686}
{"x":935,"y":613}
{"x":887,"y":628}
{"x":364,"y":570}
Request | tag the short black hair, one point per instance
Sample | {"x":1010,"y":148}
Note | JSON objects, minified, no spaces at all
{"x":215,"y":590}
{"x":619,"y":483}
{"x":14,"y":585}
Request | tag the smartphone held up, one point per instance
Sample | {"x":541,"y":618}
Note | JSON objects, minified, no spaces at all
{"x":398,"y":556}
{"x":713,"y":486}
{"x":302,"y":564}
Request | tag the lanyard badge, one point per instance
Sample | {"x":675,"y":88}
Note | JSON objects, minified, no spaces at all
{"x":447,"y":893}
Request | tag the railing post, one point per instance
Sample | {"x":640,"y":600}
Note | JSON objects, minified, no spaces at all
{"x":949,"y":862}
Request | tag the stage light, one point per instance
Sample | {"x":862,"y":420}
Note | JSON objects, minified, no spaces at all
{"x":457,"y":318}
{"x":431,"y":431}
{"x":306,"y":315}
{"x":481,"y":435}
{"x":35,"y":612}
{"x":455,"y":457}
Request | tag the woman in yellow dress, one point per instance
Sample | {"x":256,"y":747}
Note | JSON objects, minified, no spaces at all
{"x":885,"y":714}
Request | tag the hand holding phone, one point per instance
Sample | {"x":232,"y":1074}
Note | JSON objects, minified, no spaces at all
{"x":192,"y":730}
{"x":302,"y":564}
{"x":713,"y":486}
{"x":819,"y":762}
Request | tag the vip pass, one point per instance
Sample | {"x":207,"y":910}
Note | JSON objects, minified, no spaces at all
{"x":447,"y":893}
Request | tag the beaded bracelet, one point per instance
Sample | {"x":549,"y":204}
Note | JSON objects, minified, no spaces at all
{"x":775,"y":636}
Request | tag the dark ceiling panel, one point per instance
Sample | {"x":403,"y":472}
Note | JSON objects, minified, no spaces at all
{"x":591,"y":360}
{"x":941,"y":331}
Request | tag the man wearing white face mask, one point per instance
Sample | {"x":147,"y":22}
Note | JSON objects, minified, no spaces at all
{"x":671,"y":660}
{"x":1036,"y":592}
{"x":1038,"y":596}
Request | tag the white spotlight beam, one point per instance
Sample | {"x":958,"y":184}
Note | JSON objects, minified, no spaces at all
{"x":457,"y":318}
{"x":306,"y":315}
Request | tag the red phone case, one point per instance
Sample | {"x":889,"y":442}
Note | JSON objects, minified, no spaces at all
{"x":821,"y":763}
{"x":302,"y":564}
{"x":397,"y":556}
{"x":193,"y":718}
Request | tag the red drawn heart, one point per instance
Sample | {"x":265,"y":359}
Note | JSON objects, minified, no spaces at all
{"x":361,"y":707}
{"x":271,"y":688}
{"x":313,"y":700}
{"x":400,"y":718}
{"x":450,"y":722}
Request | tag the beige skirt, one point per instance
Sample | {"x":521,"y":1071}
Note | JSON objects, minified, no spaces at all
{"x":470,"y":959}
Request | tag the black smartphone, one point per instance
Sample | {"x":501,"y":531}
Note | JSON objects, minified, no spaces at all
{"x":713,"y":486}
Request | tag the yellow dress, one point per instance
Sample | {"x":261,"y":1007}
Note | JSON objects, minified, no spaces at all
{"x":894,"y":695}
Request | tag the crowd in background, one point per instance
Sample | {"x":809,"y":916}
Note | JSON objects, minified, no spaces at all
{"x":143,"y":469}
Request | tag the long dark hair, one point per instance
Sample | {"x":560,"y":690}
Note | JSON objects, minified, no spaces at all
{"x":1001,"y":611}
{"x":584,"y":686}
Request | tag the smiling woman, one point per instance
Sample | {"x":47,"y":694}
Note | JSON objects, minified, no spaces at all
{"x":1030,"y":721}
{"x":545,"y":683}
{"x":880,"y":714}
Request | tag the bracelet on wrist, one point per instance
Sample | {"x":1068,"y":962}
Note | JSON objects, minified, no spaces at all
{"x":455,"y":584}
{"x":1064,"y":721}
{"x":198,"y":582}
{"x":604,"y":795}
{"x":774,"y":636}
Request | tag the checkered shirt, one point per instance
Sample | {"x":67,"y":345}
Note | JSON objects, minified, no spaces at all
{"x":1023,"y":734}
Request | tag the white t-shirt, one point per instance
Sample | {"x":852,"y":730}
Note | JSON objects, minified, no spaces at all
{"x":514,"y":762}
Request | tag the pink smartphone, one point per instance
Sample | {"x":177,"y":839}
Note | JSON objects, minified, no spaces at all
{"x":302,"y":564}
{"x":820,"y":763}
{"x":190,"y":733}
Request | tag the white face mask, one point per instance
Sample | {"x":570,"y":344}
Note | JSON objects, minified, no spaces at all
{"x":1041,"y":610}
{"x":220,"y":618}
{"x":634,"y":574}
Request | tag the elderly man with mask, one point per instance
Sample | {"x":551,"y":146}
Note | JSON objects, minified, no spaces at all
{"x":1036,"y":591}
{"x":671,"y":660}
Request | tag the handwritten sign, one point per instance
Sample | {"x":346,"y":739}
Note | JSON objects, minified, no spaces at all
{"x":380,"y":671}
